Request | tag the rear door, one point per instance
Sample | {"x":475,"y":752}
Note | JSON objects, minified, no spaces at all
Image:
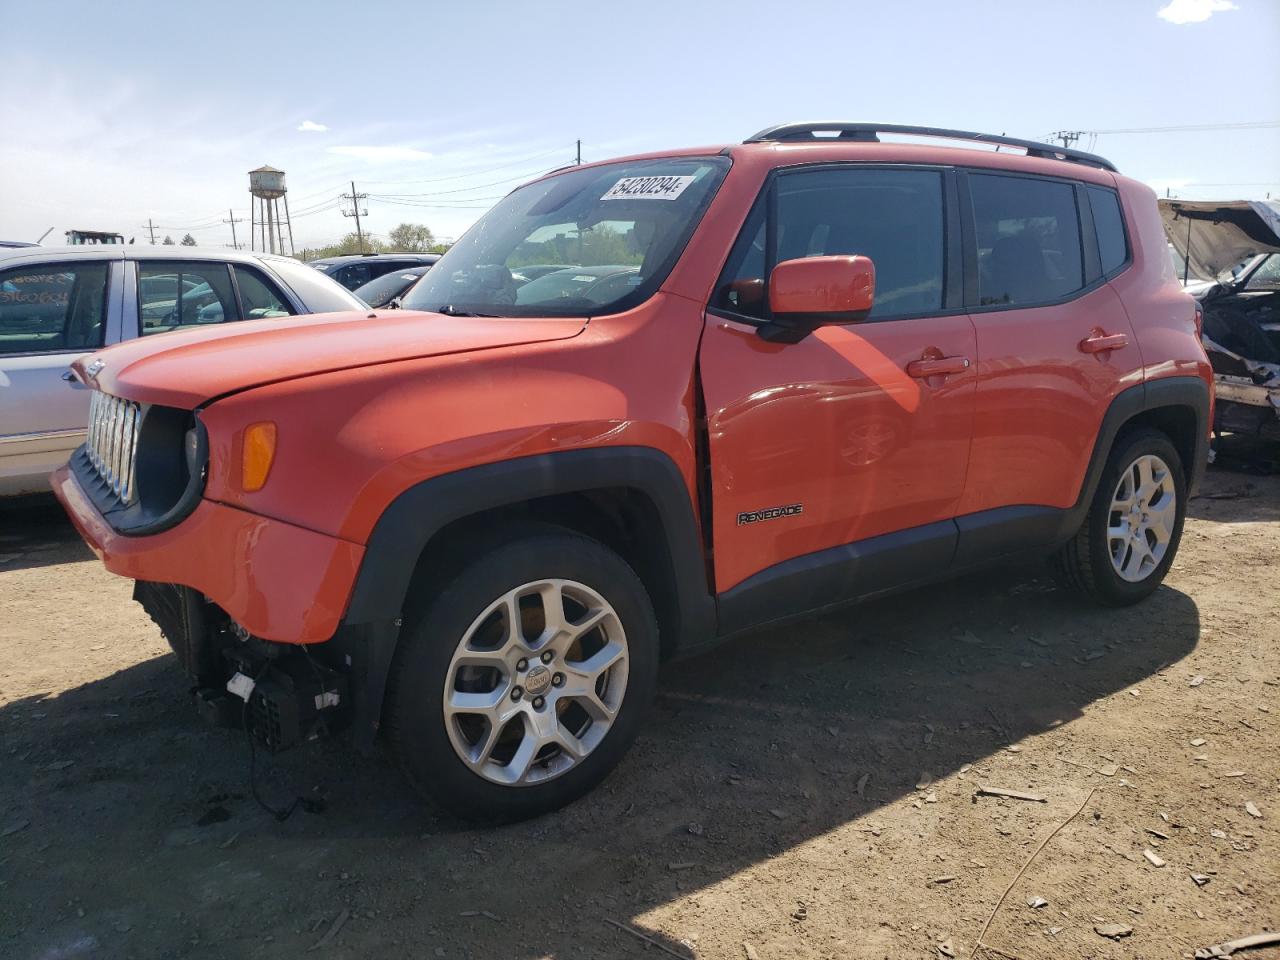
{"x":51,"y":313}
{"x":1054,"y":342}
{"x":180,"y":294}
{"x":849,"y":435}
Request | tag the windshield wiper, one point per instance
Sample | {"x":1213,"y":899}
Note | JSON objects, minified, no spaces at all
{"x":449,"y":310}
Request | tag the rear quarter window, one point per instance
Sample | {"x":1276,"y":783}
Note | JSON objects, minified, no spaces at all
{"x":1108,"y":225}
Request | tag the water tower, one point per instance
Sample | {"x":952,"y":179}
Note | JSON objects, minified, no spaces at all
{"x":266,"y":186}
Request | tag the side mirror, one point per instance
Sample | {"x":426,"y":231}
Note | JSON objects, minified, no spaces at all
{"x":812,"y":292}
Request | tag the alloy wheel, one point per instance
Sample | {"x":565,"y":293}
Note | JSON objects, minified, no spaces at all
{"x":1142,"y":519}
{"x":536,"y":682}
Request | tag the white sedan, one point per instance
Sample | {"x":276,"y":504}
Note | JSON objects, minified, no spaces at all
{"x":59,"y":303}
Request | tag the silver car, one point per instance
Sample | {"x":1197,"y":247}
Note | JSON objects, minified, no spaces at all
{"x":59,"y":303}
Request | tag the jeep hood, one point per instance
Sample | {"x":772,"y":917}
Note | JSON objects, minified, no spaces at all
{"x":1215,"y":235}
{"x":188,"y":367}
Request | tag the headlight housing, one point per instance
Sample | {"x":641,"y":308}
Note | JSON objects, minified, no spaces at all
{"x":143,"y":465}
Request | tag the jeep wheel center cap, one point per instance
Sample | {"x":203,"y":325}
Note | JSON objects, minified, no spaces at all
{"x":538,"y":680}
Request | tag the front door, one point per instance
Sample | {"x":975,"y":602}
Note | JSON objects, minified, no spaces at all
{"x":857,"y":434}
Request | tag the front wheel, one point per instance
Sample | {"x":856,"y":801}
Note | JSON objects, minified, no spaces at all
{"x":1130,"y":536}
{"x":525,"y":680}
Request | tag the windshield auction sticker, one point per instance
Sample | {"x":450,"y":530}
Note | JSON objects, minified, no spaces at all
{"x":648,"y":188}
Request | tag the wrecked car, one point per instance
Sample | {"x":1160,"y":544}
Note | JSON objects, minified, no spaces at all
{"x":1237,"y":244}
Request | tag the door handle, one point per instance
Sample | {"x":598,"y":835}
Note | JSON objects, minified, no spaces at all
{"x":937,"y":366}
{"x":68,"y":376}
{"x":1102,"y":342}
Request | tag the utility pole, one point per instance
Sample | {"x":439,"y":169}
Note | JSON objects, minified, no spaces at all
{"x":355,"y":199}
{"x":578,"y":162}
{"x":151,"y":230}
{"x":1068,"y":137}
{"x":233,"y":221}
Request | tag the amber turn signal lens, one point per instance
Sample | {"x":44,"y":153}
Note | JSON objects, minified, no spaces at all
{"x":259,"y":451}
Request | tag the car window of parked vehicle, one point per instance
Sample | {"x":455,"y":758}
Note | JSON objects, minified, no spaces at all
{"x":353,"y":275}
{"x":1028,"y":237}
{"x":51,"y":308}
{"x":892,"y":216}
{"x":1108,"y":226}
{"x":637,"y":214}
{"x":258,"y":297}
{"x":173,"y":295}
{"x":1267,"y":276}
{"x":318,"y":292}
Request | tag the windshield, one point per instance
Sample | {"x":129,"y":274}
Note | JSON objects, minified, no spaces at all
{"x":621,"y":225}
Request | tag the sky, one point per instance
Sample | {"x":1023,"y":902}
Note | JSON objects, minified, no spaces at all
{"x":118,"y":113}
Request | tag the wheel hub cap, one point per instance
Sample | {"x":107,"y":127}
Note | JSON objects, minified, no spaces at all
{"x":537,"y":681}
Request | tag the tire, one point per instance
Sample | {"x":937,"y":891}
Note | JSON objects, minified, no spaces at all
{"x":465,"y":761}
{"x":1096,"y":563}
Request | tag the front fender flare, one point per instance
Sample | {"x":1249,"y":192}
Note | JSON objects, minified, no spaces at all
{"x":371,"y":628}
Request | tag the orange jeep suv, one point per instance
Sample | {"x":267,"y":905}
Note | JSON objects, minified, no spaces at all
{"x":749,"y":383}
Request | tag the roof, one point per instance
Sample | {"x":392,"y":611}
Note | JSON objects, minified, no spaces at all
{"x":386,"y":255}
{"x":796,"y":143}
{"x":126,"y":251}
{"x":866,"y":132}
{"x":266,"y":169}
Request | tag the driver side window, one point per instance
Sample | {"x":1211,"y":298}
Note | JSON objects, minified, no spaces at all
{"x":892,"y":216}
{"x":173,"y":295}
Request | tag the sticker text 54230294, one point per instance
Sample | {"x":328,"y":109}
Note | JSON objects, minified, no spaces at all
{"x":648,"y":188}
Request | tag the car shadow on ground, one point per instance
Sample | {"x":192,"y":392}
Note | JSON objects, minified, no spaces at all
{"x":35,"y":532}
{"x":138,"y":814}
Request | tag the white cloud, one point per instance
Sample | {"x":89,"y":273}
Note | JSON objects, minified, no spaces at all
{"x":1194,"y":11}
{"x":310,"y":126}
{"x":381,"y":154}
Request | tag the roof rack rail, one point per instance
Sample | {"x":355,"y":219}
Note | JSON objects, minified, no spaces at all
{"x":868,"y":133}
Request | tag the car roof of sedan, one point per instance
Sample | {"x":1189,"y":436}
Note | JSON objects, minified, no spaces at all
{"x":122,"y":251}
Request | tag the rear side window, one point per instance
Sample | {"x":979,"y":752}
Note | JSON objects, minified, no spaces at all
{"x":173,"y":295}
{"x":52,"y":308}
{"x":353,"y":275}
{"x":892,"y":216}
{"x":318,"y":293}
{"x":1108,"y":225}
{"x":258,"y":297}
{"x":1028,"y":239}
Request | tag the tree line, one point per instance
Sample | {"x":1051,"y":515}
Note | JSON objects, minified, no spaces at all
{"x":405,"y":238}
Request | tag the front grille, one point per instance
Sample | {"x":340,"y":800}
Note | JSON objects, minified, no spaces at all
{"x":112,"y":442}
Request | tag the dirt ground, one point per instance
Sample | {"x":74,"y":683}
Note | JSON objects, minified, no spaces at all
{"x":806,"y":792}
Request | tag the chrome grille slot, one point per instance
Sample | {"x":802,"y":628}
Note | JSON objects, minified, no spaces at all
{"x":112,"y":442}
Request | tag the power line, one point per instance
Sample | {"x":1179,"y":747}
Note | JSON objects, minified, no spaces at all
{"x":475,"y":186}
{"x":478,"y":173}
{"x":1190,"y":127}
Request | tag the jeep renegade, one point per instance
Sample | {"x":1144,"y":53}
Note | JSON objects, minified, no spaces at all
{"x":770,"y":378}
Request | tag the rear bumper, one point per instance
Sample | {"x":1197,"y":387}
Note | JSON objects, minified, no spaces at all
{"x":280,"y":582}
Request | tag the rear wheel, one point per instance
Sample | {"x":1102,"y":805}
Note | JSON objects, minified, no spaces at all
{"x":1130,"y":536}
{"x":525,"y":680}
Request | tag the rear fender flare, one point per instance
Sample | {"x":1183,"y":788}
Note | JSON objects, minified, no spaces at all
{"x":1191,"y":392}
